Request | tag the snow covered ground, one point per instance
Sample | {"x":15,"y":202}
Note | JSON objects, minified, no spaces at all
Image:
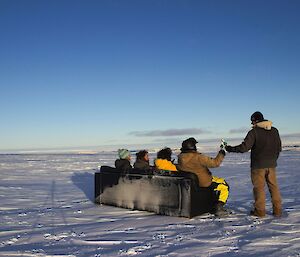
{"x":47,"y":209}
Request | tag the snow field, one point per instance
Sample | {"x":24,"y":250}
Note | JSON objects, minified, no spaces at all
{"x":47,"y":209}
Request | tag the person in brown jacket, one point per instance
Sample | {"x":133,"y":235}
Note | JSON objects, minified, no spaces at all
{"x":265,"y":144}
{"x":192,"y":161}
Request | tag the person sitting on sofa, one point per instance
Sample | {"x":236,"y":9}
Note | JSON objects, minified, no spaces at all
{"x":164,"y":161}
{"x":191,"y":160}
{"x":123,"y":163}
{"x":142,"y":160}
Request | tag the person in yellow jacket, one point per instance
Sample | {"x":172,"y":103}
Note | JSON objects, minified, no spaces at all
{"x":164,"y":161}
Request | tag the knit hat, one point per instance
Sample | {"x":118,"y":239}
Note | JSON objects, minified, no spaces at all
{"x":123,"y":153}
{"x":257,"y":117}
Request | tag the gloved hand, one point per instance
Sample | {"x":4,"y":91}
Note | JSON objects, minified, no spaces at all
{"x":222,"y":152}
{"x":229,"y":148}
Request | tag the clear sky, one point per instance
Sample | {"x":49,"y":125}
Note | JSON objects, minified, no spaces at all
{"x":91,"y":73}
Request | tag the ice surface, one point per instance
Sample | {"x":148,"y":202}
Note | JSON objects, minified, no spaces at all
{"x":47,"y":209}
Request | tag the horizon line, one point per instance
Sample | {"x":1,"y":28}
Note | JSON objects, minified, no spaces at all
{"x":108,"y":147}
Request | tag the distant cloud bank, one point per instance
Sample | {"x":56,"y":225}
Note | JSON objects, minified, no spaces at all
{"x":291,"y":135}
{"x":239,"y":130}
{"x":169,"y":132}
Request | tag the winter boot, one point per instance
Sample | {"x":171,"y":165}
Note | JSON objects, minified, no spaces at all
{"x":257,"y":213}
{"x":277,"y":212}
{"x":220,"y":211}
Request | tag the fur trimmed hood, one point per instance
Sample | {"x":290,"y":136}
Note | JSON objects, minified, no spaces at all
{"x":265,"y":124}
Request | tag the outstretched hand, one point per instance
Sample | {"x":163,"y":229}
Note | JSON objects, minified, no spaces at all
{"x":229,"y":148}
{"x":222,"y":152}
{"x":225,"y":147}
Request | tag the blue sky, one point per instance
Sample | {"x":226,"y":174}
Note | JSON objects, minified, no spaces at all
{"x":92,"y":73}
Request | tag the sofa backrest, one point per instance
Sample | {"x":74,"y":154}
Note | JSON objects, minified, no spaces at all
{"x":175,"y":195}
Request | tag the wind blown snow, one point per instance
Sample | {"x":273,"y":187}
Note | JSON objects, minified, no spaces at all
{"x":47,"y":209}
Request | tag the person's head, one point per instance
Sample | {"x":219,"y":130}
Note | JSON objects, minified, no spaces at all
{"x":189,"y":145}
{"x":124,"y":154}
{"x":165,"y":154}
{"x":256,"y":117}
{"x":142,"y":155}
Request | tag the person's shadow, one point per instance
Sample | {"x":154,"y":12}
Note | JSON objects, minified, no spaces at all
{"x":85,"y":182}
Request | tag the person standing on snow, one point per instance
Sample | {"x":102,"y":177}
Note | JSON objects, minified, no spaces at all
{"x":265,"y":144}
{"x":192,"y":161}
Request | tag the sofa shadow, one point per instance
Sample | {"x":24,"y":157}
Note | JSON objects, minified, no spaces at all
{"x":85,"y":182}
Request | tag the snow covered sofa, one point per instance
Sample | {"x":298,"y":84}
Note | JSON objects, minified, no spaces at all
{"x":171,"y":195}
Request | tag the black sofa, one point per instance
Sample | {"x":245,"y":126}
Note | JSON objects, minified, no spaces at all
{"x":174,"y":195}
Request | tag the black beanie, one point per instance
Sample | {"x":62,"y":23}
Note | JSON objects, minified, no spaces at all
{"x":257,"y":117}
